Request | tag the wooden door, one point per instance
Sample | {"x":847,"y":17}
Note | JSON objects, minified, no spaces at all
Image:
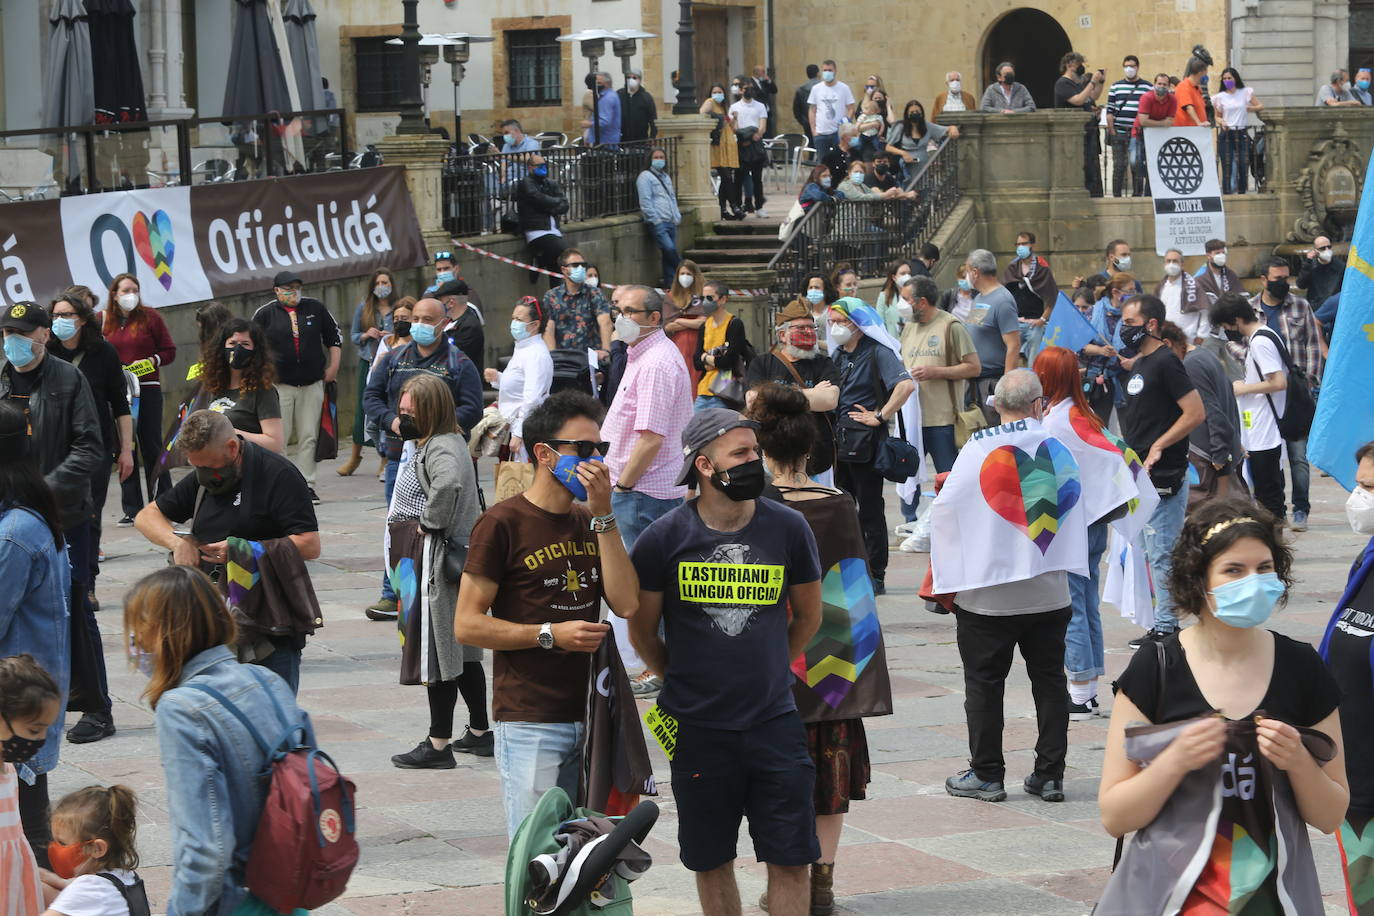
{"x":710,"y":50}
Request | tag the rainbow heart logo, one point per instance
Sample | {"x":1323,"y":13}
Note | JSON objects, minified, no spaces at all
{"x":1034,"y":493}
{"x":153,"y":241}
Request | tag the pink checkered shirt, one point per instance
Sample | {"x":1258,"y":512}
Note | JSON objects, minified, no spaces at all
{"x":654,"y":395}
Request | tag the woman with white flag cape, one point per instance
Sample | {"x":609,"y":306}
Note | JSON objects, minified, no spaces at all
{"x":865,"y":372}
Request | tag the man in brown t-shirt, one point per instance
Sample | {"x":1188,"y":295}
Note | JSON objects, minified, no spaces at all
{"x":541,"y":564}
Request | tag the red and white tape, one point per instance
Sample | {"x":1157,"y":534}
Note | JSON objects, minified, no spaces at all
{"x":549,"y":273}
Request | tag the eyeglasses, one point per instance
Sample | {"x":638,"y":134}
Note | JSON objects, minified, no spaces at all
{"x":709,"y":298}
{"x":585,"y":447}
{"x":64,"y":314}
{"x":571,"y":264}
{"x":625,"y":311}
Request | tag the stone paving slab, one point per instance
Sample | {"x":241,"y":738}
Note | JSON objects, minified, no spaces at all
{"x":433,"y":842}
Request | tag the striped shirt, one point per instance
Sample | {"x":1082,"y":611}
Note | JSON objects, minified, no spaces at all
{"x":1294,"y":322}
{"x":655,"y":396}
{"x":1123,"y":101}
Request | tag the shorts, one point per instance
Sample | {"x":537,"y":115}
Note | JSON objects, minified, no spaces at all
{"x":765,"y":773}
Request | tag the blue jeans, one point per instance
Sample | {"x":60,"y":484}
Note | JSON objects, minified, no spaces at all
{"x":285,"y":662}
{"x":1234,"y":150}
{"x":393,"y":467}
{"x":824,"y":143}
{"x":665,"y":237}
{"x":1161,"y":531}
{"x":1085,"y":656}
{"x":533,"y":757}
{"x":704,"y":401}
{"x":938,"y":442}
{"x":636,"y":511}
{"x":1301,"y":473}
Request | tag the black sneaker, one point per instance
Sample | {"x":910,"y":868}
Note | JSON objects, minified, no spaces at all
{"x":879,"y":587}
{"x":425,"y":757}
{"x":1081,"y":712}
{"x":314,"y":497}
{"x":93,"y":601}
{"x":1150,"y":636}
{"x":125,"y":522}
{"x":94,"y":726}
{"x":1050,"y":790}
{"x":476,"y":745}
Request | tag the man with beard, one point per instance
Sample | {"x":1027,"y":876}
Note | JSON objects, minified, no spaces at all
{"x":797,"y":361}
{"x":722,"y":572}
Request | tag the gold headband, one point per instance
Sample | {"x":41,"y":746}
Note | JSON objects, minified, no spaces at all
{"x":1219,"y":527}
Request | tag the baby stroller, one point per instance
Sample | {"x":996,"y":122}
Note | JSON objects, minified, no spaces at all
{"x":569,"y":861}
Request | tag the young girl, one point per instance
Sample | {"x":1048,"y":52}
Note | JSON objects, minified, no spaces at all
{"x":29,"y":705}
{"x":93,"y":855}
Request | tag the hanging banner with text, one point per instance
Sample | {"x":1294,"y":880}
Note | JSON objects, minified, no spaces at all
{"x":1183,"y":182}
{"x":189,"y":244}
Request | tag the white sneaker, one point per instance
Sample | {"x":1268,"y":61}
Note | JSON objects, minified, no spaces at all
{"x":915,"y":544}
{"x":761,"y":213}
{"x":904,"y":529}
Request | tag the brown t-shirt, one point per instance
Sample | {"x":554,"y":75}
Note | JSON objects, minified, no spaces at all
{"x":549,"y":570}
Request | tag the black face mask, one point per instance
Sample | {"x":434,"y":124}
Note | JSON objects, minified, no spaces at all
{"x":1132,"y":335}
{"x":1277,"y":289}
{"x":1234,"y":336}
{"x":239,"y":357}
{"x":1080,"y":69}
{"x":1009,"y":77}
{"x":218,"y":481}
{"x":408,"y":428}
{"x":745,"y":481}
{"x":18,"y":749}
{"x":401,"y":329}
{"x":918,"y":120}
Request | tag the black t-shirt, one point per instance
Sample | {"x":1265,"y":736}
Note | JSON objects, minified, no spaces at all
{"x":247,"y":409}
{"x":1153,"y":388}
{"x":1348,"y":656}
{"x":467,"y":335}
{"x":1065,"y":88}
{"x":1301,"y":689}
{"x":271,"y":501}
{"x":105,"y":374}
{"x":772,"y":368}
{"x":725,"y":611}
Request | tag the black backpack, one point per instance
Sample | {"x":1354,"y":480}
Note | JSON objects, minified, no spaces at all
{"x":135,"y":898}
{"x":1300,"y":407}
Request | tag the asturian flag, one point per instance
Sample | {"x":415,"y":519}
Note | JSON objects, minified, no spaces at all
{"x":1345,"y":410}
{"x":1067,"y":328}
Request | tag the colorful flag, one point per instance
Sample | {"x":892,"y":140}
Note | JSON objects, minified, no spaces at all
{"x":1345,"y":411}
{"x":1066,"y":327}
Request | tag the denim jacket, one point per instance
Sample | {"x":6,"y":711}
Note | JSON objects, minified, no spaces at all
{"x":657,"y":199}
{"x":215,"y":772}
{"x":34,"y":615}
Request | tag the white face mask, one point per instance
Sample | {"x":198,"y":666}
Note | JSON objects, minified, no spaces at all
{"x":128,"y":301}
{"x":1359,"y":509}
{"x":632,"y":83}
{"x":1172,"y":268}
{"x":956,"y":85}
{"x":1325,"y":256}
{"x":1219,"y":259}
{"x":627,"y":329}
{"x":903,"y":280}
{"x":684,"y":280}
{"x":840,"y":333}
{"x":904,"y":310}
{"x":1131,"y":72}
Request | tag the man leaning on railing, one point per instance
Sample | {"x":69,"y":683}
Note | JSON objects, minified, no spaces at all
{"x":539,"y":202}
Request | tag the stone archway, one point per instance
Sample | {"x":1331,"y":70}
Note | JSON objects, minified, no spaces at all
{"x":1034,"y":43}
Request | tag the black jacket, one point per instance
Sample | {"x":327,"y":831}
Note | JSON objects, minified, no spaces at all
{"x":66,"y":433}
{"x":800,"y":110}
{"x":638,"y":116}
{"x":540,"y":201}
{"x":105,"y":374}
{"x":1321,"y":281}
{"x":318,"y":332}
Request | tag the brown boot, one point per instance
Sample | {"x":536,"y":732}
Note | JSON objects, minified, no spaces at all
{"x":822,"y":889}
{"x":351,"y":465}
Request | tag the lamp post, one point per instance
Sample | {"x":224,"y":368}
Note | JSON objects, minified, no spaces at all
{"x":457,"y":51}
{"x":625,"y":46}
{"x":593,"y":46}
{"x":412,"y":116}
{"x":686,"y":74}
{"x":429,"y":56}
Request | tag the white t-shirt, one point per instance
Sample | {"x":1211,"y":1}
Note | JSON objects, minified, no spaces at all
{"x":748,"y":114}
{"x":1259,"y":427}
{"x":92,"y":895}
{"x":831,"y":101}
{"x":1232,"y":106}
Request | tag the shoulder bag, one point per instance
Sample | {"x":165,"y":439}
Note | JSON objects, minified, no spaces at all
{"x":895,"y":458}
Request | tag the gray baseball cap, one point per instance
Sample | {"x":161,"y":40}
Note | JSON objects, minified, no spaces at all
{"x":705,"y":427}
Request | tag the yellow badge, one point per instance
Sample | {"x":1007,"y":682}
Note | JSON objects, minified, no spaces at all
{"x":663,"y":727}
{"x":193,"y":373}
{"x":1247,"y":418}
{"x":19,"y":310}
{"x":141,"y":367}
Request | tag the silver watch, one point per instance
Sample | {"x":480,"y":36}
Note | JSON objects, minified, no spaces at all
{"x":546,"y":636}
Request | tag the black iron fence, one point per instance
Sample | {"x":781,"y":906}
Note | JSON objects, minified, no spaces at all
{"x":86,"y":159}
{"x":480,"y":190}
{"x":869,"y":233}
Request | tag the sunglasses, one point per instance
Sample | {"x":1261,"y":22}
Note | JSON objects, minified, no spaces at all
{"x":576,"y":264}
{"x":585,"y":447}
{"x":709,"y":298}
{"x":443,"y":256}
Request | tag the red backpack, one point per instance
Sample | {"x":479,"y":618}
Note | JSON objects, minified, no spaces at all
{"x":304,"y":848}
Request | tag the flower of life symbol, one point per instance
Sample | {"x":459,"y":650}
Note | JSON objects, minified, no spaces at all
{"x":1180,"y":165}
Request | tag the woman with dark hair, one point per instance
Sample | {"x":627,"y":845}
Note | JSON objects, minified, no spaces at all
{"x":33,"y":604}
{"x":1245,"y":751}
{"x":880,"y":99}
{"x":835,"y":735}
{"x":898,"y":276}
{"x":683,"y":315}
{"x":240,"y":379}
{"x":371,"y":322}
{"x":1233,"y":105}
{"x":915,"y":139}
{"x":817,"y":188}
{"x":435,"y":502}
{"x":144,"y":345}
{"x":177,"y":627}
{"x":724,"y":151}
{"x":76,"y":338}
{"x":525,"y":382}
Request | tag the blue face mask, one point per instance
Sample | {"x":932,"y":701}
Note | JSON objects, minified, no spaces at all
{"x":1023,"y":252}
{"x":541,"y":170}
{"x":964,"y":284}
{"x":658,"y":164}
{"x":815,"y":296}
{"x":855,"y":141}
{"x":444,"y":276}
{"x":828,"y":75}
{"x":566,"y":473}
{"x":1248,"y":602}
{"x":718,"y":98}
{"x":1363,"y":84}
{"x":519,"y":330}
{"x":64,"y":328}
{"x":578,"y":274}
{"x":18,"y":349}
{"x":424,"y":334}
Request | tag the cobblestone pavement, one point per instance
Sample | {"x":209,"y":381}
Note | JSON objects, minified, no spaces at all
{"x":434,"y":844}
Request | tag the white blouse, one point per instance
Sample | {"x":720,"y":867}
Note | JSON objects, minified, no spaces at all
{"x":525,"y":383}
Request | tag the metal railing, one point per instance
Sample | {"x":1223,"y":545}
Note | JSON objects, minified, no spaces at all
{"x":869,"y":233}
{"x":50,"y":162}
{"x":479,"y":190}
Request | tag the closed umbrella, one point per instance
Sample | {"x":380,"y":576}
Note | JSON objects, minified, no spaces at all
{"x":68,"y":87}
{"x":256,"y":81}
{"x":299,"y":16}
{"x":114,"y":62}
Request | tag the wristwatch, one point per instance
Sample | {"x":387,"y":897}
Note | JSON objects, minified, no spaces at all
{"x":546,"y":636}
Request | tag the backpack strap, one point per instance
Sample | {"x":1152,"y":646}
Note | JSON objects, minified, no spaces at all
{"x":1283,"y":355}
{"x":135,"y":896}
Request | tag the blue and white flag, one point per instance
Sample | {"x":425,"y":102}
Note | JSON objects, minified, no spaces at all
{"x":1066,"y":328}
{"x":1345,"y":411}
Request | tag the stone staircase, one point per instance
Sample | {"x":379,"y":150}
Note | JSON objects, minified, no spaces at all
{"x":738,"y":252}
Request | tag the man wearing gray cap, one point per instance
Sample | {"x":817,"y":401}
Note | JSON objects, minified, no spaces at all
{"x":720,"y":573}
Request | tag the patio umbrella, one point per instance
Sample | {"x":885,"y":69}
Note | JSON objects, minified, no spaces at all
{"x":299,"y":17}
{"x":114,"y":62}
{"x":256,"y":81}
{"x":68,"y":87}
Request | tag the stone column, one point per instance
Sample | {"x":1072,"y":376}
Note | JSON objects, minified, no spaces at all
{"x":423,"y":157}
{"x":694,"y":194}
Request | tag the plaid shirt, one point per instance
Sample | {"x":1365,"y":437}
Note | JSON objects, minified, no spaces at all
{"x":654,"y":395}
{"x":1301,"y":333}
{"x":574,"y":316}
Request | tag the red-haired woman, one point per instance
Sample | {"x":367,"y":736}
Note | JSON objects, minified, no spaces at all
{"x":140,"y":337}
{"x":1084,"y":652}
